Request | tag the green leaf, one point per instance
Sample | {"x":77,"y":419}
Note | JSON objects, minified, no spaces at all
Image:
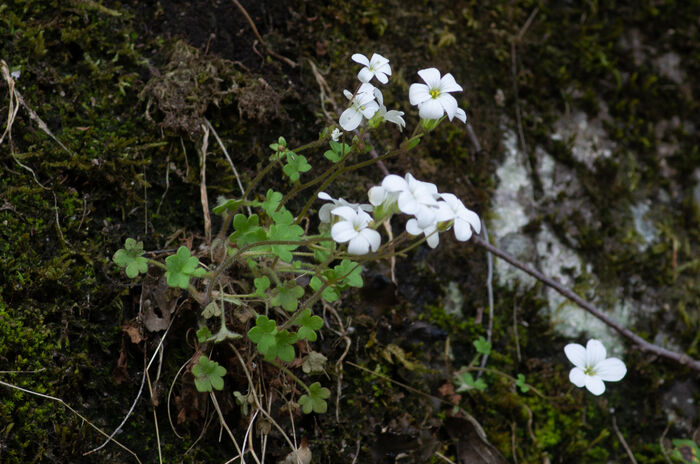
{"x":272,"y":201}
{"x":290,"y":233}
{"x":411,"y":143}
{"x":316,"y":399}
{"x":212,"y":309}
{"x":332,"y":156}
{"x":242,"y":401}
{"x":181,"y":266}
{"x":295,"y":164}
{"x":208,"y":374}
{"x":337,"y":151}
{"x":204,"y":334}
{"x":261,"y":284}
{"x":330,"y":293}
{"x":309,"y":325}
{"x":520,"y":382}
{"x":686,"y":451}
{"x":482,"y":346}
{"x":130,"y":258}
{"x":465,"y":382}
{"x":247,"y":230}
{"x":226,"y":205}
{"x":272,"y":343}
{"x":287,"y":296}
{"x":350,"y":274}
{"x":263,"y":334}
{"x":282,"y":348}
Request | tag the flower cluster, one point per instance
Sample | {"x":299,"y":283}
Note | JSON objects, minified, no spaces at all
{"x":432,"y":98}
{"x":431,"y":211}
{"x":368,"y":102}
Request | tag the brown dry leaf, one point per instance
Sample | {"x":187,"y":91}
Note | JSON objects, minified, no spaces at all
{"x":301,"y":456}
{"x":159,"y":303}
{"x":133,"y":331}
{"x":471,"y":442}
{"x":120,"y":373}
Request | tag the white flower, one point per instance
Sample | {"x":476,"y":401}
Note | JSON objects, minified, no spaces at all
{"x":442,"y":212}
{"x":391,"y":115}
{"x":414,"y":197}
{"x":361,"y":104}
{"x":354,"y":229}
{"x":464,"y":219}
{"x":324,"y":213}
{"x":377,"y":66}
{"x":335,"y":135}
{"x":430,"y":231}
{"x":592,"y":368}
{"x":434,"y":99}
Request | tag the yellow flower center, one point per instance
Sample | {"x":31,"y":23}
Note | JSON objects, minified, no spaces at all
{"x":434,"y":93}
{"x":589,"y":371}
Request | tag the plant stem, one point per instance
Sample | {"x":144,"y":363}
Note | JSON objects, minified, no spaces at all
{"x":680,"y":358}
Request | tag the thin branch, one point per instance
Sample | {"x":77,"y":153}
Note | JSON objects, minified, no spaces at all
{"x":644,"y":345}
{"x":622,"y":440}
{"x":262,"y":42}
{"x":489,"y":289}
{"x":203,"y":183}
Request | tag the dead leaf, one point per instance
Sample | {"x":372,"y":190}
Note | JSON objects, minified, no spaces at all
{"x":471,"y":442}
{"x":133,"y":331}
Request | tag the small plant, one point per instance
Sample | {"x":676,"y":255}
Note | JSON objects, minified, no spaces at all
{"x":686,"y":451}
{"x":208,"y":375}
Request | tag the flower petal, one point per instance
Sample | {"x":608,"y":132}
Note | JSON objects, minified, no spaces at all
{"x":369,"y":109}
{"x":595,"y":385}
{"x":325,"y":196}
{"x":345,"y":212}
{"x":343,"y":231}
{"x":448,"y":84}
{"x":407,"y":203}
{"x":324,"y":212}
{"x":373,"y":238}
{"x":412,"y":227}
{"x":472,"y":218}
{"x":425,"y":216}
{"x":595,"y":352}
{"x":377,"y":61}
{"x":350,"y":119}
{"x":365,"y":75}
{"x":577,"y":355}
{"x":433,"y":238}
{"x":443,"y":212}
{"x":360,"y":58}
{"x":610,"y":370}
{"x":430,"y":109}
{"x":431,"y":76}
{"x":376,"y":195}
{"x":418,"y":93}
{"x":461,"y":115}
{"x":449,"y":103}
{"x":358,"y":245}
{"x":577,"y":376}
{"x":463,"y":230}
{"x":394,"y":183}
{"x":381,"y":77}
